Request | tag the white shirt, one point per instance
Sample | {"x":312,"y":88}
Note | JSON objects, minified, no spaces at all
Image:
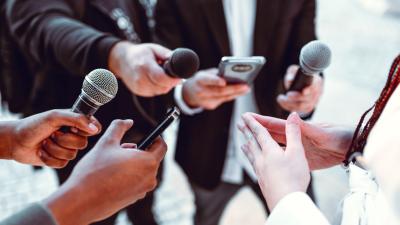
{"x":240,"y":18}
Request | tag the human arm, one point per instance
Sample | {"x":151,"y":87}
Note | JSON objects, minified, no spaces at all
{"x":121,"y":171}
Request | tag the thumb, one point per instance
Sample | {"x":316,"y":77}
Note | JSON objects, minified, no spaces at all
{"x":290,"y":75}
{"x":293,"y":133}
{"x":116,"y":131}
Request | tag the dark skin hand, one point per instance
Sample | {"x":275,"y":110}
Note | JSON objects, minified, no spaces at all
{"x":36,"y":140}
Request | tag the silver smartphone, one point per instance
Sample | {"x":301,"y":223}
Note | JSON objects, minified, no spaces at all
{"x":237,"y":70}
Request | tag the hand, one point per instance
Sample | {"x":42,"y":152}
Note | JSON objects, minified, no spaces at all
{"x":110,"y":177}
{"x":207,"y":90}
{"x":304,"y":102}
{"x":36,"y":140}
{"x":280,"y":171}
{"x":325,"y":145}
{"x":137,"y":65}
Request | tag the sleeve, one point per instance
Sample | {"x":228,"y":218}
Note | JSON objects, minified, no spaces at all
{"x":50,"y":33}
{"x":35,"y":214}
{"x":182,"y":104}
{"x":296,"y":209}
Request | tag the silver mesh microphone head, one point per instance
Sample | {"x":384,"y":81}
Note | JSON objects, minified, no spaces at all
{"x":315,"y":57}
{"x":100,"y":86}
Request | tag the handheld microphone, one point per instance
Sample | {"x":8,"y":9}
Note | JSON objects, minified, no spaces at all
{"x":99,"y":87}
{"x":315,"y":57}
{"x":183,"y":63}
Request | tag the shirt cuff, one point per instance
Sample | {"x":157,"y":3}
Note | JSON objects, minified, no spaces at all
{"x":187,"y":110}
{"x":296,"y":208}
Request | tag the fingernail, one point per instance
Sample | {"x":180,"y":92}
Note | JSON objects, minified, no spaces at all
{"x":40,"y":154}
{"x":93,"y":128}
{"x":74,"y":130}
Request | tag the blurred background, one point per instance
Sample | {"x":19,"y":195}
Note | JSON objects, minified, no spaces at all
{"x":364,"y":36}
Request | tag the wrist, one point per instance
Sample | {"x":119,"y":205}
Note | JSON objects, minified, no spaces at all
{"x":68,"y":207}
{"x":186,"y":97}
{"x":8,"y":136}
{"x":116,"y":57}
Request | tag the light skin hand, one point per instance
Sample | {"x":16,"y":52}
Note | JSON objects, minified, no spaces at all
{"x":138,"y":66}
{"x":36,"y":140}
{"x":124,"y":173}
{"x":304,"y":102}
{"x":207,"y":90}
{"x":325,"y":145}
{"x":280,"y":171}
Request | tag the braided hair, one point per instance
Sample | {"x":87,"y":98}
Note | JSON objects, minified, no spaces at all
{"x":362,"y":132}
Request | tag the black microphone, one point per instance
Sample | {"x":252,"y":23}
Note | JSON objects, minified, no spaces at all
{"x":99,"y":87}
{"x":315,"y":57}
{"x":183,"y":63}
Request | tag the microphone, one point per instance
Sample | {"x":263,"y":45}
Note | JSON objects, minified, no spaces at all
{"x":315,"y":57}
{"x":183,"y":63}
{"x":99,"y":87}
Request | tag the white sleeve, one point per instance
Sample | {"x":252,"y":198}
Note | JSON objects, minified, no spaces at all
{"x":296,"y":209}
{"x":182,"y":104}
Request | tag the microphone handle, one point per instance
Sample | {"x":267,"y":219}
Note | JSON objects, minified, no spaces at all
{"x":301,"y":81}
{"x":83,"y":106}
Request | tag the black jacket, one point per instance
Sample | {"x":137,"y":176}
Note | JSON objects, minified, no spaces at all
{"x":282,"y":28}
{"x":65,"y":39}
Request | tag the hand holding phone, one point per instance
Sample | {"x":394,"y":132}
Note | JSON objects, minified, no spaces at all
{"x":241,"y":70}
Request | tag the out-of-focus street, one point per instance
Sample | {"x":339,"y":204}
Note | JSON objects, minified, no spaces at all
{"x":364,"y":43}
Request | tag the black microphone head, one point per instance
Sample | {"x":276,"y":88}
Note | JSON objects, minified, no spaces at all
{"x":183,"y":63}
{"x":100,"y":86}
{"x":315,"y":57}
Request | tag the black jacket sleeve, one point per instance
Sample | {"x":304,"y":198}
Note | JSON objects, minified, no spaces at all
{"x":49,"y":32}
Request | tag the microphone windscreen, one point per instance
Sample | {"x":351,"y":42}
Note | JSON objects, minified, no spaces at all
{"x":184,"y":63}
{"x":315,"y":57}
{"x":101,"y":86}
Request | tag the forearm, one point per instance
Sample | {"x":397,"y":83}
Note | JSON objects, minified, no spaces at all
{"x":50,"y":33}
{"x":7,"y":129}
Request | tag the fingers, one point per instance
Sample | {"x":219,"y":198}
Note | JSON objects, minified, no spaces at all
{"x":293,"y":133}
{"x":251,"y":143}
{"x":57,"y":152}
{"x":230,"y":90}
{"x":70,"y":140}
{"x":94,"y":121}
{"x":129,"y":146}
{"x":261,"y":134}
{"x":50,"y":161}
{"x":159,"y":78}
{"x":209,"y":78}
{"x":158,"y":149}
{"x":160,"y":52}
{"x":290,"y":75}
{"x":116,"y":132}
{"x":274,"y":125}
{"x":294,"y":104}
{"x":60,"y":118}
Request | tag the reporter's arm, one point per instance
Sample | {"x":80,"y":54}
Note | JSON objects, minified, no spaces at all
{"x":34,"y":214}
{"x":296,"y":209}
{"x":50,"y":32}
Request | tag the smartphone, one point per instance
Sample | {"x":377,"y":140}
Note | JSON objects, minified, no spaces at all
{"x":172,"y":115}
{"x":241,"y":70}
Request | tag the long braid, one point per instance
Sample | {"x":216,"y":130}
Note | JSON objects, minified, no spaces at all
{"x":361,"y":133}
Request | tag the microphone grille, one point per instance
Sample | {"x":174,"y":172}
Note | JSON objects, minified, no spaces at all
{"x":100,"y":85}
{"x":315,"y":57}
{"x":184,"y":62}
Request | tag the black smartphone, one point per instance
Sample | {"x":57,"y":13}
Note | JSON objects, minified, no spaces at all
{"x":172,"y":115}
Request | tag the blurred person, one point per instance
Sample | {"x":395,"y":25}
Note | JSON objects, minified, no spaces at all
{"x":110,"y":177}
{"x":370,"y":152}
{"x":208,"y":145}
{"x":62,"y":40}
{"x":36,"y":140}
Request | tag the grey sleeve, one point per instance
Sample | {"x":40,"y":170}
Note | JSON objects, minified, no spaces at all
{"x":34,"y":214}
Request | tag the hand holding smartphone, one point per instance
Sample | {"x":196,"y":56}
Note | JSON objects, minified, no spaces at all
{"x":241,"y":70}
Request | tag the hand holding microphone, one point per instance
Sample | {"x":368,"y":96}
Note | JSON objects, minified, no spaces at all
{"x":303,"y":83}
{"x":148,"y":69}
